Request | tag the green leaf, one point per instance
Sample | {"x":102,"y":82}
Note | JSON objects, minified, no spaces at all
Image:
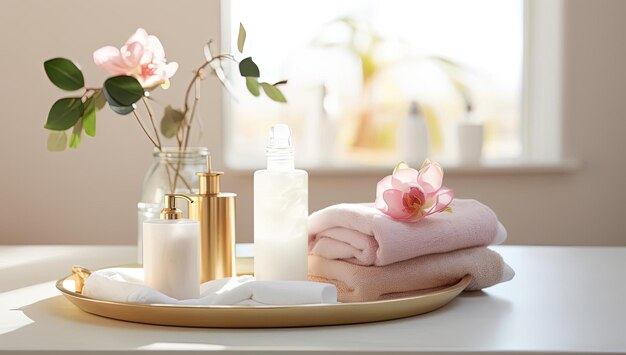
{"x":248,"y":68}
{"x":273,"y":92}
{"x":124,"y":90}
{"x":253,"y":85}
{"x":171,"y":121}
{"x":241,"y":38}
{"x":57,"y":141}
{"x":116,"y":107}
{"x":122,"y":110}
{"x":64,"y":114}
{"x":89,"y":117}
{"x":76,"y":134}
{"x":64,"y":74}
{"x":99,"y":99}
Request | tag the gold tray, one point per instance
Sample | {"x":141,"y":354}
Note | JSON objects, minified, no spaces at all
{"x":263,"y":316}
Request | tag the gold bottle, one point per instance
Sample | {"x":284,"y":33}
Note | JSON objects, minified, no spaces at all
{"x":215,"y":211}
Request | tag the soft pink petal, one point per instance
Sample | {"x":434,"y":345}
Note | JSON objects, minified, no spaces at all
{"x":383,"y":185}
{"x":105,"y":54}
{"x":153,"y":80}
{"x":110,"y":59}
{"x":147,"y":57}
{"x":380,"y":203}
{"x":430,"y":177}
{"x":132,"y":53}
{"x":153,"y":44}
{"x":170,"y":69}
{"x":140,"y":36}
{"x":395,"y":205}
{"x":401,"y":178}
{"x":443,"y":198}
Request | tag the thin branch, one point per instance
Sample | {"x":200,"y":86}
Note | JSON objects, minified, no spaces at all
{"x":177,"y":170}
{"x":145,"y":131}
{"x":151,"y":115}
{"x":193,"y":112}
{"x":193,"y":80}
{"x":179,"y":138}
{"x":155,"y":101}
{"x":169,"y":178}
{"x":178,"y":175}
{"x":199,"y":70}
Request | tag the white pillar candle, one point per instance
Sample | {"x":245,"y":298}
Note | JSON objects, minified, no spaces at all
{"x":171,"y":257}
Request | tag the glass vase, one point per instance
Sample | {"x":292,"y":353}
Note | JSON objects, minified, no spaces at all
{"x":162,"y":178}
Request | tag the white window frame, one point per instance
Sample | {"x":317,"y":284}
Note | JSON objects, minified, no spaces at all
{"x":542,"y":84}
{"x":541,"y":103}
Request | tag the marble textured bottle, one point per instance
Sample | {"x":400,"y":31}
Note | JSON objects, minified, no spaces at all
{"x":280,"y":212}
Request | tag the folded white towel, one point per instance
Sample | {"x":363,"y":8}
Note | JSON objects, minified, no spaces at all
{"x":126,"y":285}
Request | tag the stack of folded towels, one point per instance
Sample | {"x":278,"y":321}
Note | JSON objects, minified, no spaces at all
{"x":370,"y":256}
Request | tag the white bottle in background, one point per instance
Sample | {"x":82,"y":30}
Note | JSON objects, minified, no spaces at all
{"x":326,"y":131}
{"x":281,"y":211}
{"x":471,"y":134}
{"x":171,"y":252}
{"x":412,"y":137}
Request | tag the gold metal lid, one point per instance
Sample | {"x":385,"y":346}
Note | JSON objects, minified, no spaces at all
{"x":169,"y":210}
{"x":209,"y":181}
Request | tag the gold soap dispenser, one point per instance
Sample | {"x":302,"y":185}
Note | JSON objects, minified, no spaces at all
{"x":215,"y":210}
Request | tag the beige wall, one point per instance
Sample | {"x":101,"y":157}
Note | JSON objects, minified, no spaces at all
{"x":89,"y":195}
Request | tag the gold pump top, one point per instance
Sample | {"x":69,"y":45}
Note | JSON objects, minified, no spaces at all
{"x":169,"y":210}
{"x":209,"y":181}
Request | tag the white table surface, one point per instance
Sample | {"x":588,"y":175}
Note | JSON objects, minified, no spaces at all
{"x":563,"y":300}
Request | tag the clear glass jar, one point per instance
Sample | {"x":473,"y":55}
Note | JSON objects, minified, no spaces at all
{"x":161,"y":178}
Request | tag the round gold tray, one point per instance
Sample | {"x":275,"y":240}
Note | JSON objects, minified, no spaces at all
{"x":263,"y":316}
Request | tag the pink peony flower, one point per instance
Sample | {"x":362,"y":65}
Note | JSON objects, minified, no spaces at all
{"x":410,"y":195}
{"x":142,"y":57}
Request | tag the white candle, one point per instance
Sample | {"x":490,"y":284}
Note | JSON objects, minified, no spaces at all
{"x":171,"y":257}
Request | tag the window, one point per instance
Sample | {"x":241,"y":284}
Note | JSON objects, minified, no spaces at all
{"x":355,"y":66}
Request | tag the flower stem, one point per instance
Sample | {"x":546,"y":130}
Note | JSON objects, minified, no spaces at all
{"x":188,"y":112}
{"x":157,"y":145}
{"x":151,"y":115}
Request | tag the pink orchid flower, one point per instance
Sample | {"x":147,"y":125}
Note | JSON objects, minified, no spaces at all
{"x":142,"y":57}
{"x":409,"y":195}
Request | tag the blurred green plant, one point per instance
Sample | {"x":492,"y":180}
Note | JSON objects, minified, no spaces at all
{"x":366,"y":45}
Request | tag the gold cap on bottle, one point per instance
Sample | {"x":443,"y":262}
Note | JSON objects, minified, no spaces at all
{"x":209,"y":182}
{"x":215,"y":210}
{"x":169,"y":210}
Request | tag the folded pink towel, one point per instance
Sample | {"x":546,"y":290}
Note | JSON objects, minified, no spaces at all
{"x":361,"y":234}
{"x":357,"y":283}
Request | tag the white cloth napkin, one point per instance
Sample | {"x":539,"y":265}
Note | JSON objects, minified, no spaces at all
{"x":126,"y":285}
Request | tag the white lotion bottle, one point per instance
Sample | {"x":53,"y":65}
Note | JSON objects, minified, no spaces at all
{"x":412,"y":137}
{"x":281,"y":210}
{"x":171,"y":252}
